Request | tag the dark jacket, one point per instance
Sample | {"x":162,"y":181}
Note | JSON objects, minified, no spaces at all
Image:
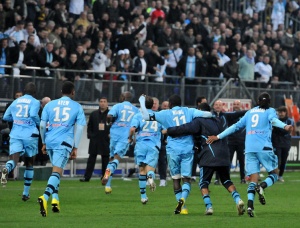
{"x":99,"y":140}
{"x":280,"y":137}
{"x":212,"y":155}
{"x":237,"y":138}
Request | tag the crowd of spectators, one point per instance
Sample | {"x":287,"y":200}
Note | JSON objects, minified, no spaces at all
{"x":193,"y":39}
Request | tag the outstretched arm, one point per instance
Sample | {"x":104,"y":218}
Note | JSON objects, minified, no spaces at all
{"x":185,"y":129}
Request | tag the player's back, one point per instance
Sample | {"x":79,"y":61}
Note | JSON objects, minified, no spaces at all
{"x":176,"y":117}
{"x":24,"y":113}
{"x":259,"y":129}
{"x":147,"y":131}
{"x":61,"y":115}
{"x":123,"y":114}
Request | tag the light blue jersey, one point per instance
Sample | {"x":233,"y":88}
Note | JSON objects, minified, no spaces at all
{"x":147,"y":131}
{"x":123,"y":114}
{"x":23,"y":112}
{"x":61,"y":115}
{"x":176,"y":117}
{"x":258,"y":123}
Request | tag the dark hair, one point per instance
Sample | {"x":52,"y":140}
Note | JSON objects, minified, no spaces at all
{"x":30,"y":88}
{"x":282,"y":109}
{"x":149,"y":102}
{"x":174,"y":100}
{"x":103,"y":98}
{"x":67,"y":87}
{"x":199,"y":99}
{"x":264,"y":100}
{"x":204,"y":107}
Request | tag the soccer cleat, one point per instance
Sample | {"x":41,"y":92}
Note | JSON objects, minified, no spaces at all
{"x":240,"y":207}
{"x":261,"y":194}
{"x":250,"y":212}
{"x":280,"y":179}
{"x":55,"y":206}
{"x":162,"y":183}
{"x":144,"y":200}
{"x":4,"y":177}
{"x":108,"y":190}
{"x":106,"y":176}
{"x":25,"y":198}
{"x":152,"y":184}
{"x":43,"y":206}
{"x":179,"y":206}
{"x":184,"y":211}
{"x":209,"y":211}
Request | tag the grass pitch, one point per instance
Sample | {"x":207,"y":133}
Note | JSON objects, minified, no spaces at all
{"x":86,"y":205}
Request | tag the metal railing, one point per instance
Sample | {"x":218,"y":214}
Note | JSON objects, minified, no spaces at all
{"x":89,"y":89}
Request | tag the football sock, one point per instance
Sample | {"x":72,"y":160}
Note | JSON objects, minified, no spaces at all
{"x":207,"y":201}
{"x":251,"y":191}
{"x":28,"y":176}
{"x":236,"y":196}
{"x":151,"y":174}
{"x":269,"y":181}
{"x":142,"y":185}
{"x":53,"y":182}
{"x":112,"y":166}
{"x":186,"y":188}
{"x":10,"y":165}
{"x":55,"y":193}
{"x":178,"y":194}
{"x":109,"y":182}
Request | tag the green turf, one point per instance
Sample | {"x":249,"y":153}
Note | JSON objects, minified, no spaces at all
{"x":86,"y":205}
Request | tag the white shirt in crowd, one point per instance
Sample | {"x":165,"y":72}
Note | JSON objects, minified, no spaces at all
{"x":265,"y":70}
{"x":174,"y":57}
{"x":76,"y":6}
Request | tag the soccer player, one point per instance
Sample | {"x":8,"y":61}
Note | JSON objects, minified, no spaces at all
{"x":146,"y":151}
{"x":180,"y":152}
{"x":24,"y":135}
{"x":66,"y":120}
{"x":120,"y":117}
{"x":258,"y":146}
{"x":212,"y":158}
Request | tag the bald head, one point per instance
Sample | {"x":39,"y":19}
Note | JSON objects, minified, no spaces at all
{"x":126,"y":96}
{"x":165,"y":105}
{"x":45,"y":100}
{"x":237,"y":106}
{"x":218,"y":106}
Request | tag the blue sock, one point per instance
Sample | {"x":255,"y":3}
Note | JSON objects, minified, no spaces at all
{"x":186,"y":188}
{"x":142,"y":185}
{"x":10,"y":165}
{"x":28,"y":176}
{"x":55,"y":193}
{"x":271,"y":179}
{"x":178,"y":194}
{"x":207,"y":201}
{"x":236,"y":196}
{"x":109,"y":182}
{"x":251,"y":191}
{"x":113,"y":165}
{"x":53,"y":182}
{"x":151,"y":174}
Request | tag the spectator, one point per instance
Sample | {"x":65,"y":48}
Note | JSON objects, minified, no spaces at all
{"x":263,"y":72}
{"x":246,"y":67}
{"x":30,"y":30}
{"x":75,"y":9}
{"x":278,"y":14}
{"x":287,"y":41}
{"x":54,"y":37}
{"x":231,"y":68}
{"x":15,"y":33}
{"x":158,"y":12}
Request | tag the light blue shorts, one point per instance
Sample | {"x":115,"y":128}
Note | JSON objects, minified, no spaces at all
{"x":180,"y":165}
{"x":26,"y":147}
{"x":253,"y":161}
{"x":146,"y":154}
{"x":119,"y":148}
{"x":58,"y":157}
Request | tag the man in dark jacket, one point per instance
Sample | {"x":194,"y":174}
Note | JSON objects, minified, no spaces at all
{"x":212,"y":157}
{"x":281,"y":140}
{"x":98,"y":133}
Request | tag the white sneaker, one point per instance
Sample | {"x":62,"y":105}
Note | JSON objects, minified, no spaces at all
{"x":209,"y":211}
{"x":4,"y":177}
{"x":240,"y":207}
{"x":151,"y":184}
{"x":144,"y":200}
{"x":162,"y":183}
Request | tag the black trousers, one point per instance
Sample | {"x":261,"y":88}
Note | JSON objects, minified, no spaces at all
{"x":162,"y":164}
{"x":282,"y":154}
{"x":90,"y":166}
{"x":240,"y":150}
